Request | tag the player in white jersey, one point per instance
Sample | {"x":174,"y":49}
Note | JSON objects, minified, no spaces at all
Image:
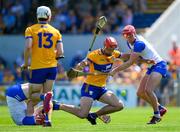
{"x":16,"y":96}
{"x":141,"y":48}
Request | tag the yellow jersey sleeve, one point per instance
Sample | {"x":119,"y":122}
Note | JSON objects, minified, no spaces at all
{"x":117,"y":54}
{"x":28,"y":33}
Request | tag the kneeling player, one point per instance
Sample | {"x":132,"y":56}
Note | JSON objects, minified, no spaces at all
{"x":16,"y":96}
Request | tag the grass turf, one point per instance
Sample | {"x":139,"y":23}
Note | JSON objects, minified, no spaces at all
{"x":127,"y":120}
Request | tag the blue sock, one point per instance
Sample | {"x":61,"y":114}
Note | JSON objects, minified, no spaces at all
{"x":42,"y":96}
{"x":46,"y":117}
{"x":157,"y":114}
{"x":93,"y":115}
{"x":56,"y":106}
{"x":29,"y":120}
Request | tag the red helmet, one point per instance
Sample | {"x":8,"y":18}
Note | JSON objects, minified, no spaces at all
{"x":129,"y":29}
{"x":110,"y":42}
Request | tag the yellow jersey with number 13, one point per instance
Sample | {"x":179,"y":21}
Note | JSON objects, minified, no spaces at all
{"x":45,"y":37}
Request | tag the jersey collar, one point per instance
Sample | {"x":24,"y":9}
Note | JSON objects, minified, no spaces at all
{"x":42,"y":22}
{"x":129,"y":45}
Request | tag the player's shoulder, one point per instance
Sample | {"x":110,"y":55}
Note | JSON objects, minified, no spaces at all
{"x":94,"y":53}
{"x":139,"y":43}
{"x":31,"y":27}
{"x":139,"y":46}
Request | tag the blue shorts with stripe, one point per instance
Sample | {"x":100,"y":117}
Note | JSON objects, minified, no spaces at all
{"x":160,"y":67}
{"x":41,"y":75}
{"x":16,"y":92}
{"x":91,"y":91}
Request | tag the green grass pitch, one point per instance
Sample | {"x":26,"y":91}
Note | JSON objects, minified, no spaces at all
{"x":127,"y":120}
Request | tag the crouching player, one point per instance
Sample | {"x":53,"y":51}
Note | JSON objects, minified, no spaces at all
{"x":100,"y":60}
{"x":16,"y":97}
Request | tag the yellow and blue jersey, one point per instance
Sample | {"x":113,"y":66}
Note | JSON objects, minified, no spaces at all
{"x":45,"y":37}
{"x":100,"y":63}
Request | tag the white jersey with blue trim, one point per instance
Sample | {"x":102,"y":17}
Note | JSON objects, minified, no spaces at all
{"x":145,"y":49}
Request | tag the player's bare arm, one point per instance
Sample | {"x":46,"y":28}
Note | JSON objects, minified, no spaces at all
{"x":133,"y":58}
{"x":27,"y":52}
{"x":147,"y":61}
{"x":59,"y":49}
{"x":124,"y":57}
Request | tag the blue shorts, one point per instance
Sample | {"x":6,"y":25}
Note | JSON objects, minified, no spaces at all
{"x":41,"y":75}
{"x":160,"y":67}
{"x":92,"y":91}
{"x":16,"y":92}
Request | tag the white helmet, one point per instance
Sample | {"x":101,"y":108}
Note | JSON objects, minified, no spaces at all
{"x":43,"y":12}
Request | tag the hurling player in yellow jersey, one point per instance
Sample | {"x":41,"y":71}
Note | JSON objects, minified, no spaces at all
{"x":43,"y":46}
{"x":100,"y":60}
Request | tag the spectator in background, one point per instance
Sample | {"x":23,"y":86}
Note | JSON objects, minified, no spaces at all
{"x":18,"y":10}
{"x":1,"y":73}
{"x":8,"y":77}
{"x":78,"y":57}
{"x":18,"y":75}
{"x":2,"y":67}
{"x":127,"y":17}
{"x":139,"y":6}
{"x":9,"y":21}
{"x":2,"y":25}
{"x":174,"y":53}
{"x":20,"y":60}
{"x":3,"y":62}
{"x":70,"y":16}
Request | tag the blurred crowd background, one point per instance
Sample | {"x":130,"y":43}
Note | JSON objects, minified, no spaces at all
{"x":78,"y":17}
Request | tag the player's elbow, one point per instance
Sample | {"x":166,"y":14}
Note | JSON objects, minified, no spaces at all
{"x":59,"y":53}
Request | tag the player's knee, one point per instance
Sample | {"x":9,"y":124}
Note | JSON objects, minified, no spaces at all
{"x":140,"y":94}
{"x":119,"y":106}
{"x":82,"y":115}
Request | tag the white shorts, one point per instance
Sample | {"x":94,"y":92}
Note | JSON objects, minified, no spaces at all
{"x":17,"y":109}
